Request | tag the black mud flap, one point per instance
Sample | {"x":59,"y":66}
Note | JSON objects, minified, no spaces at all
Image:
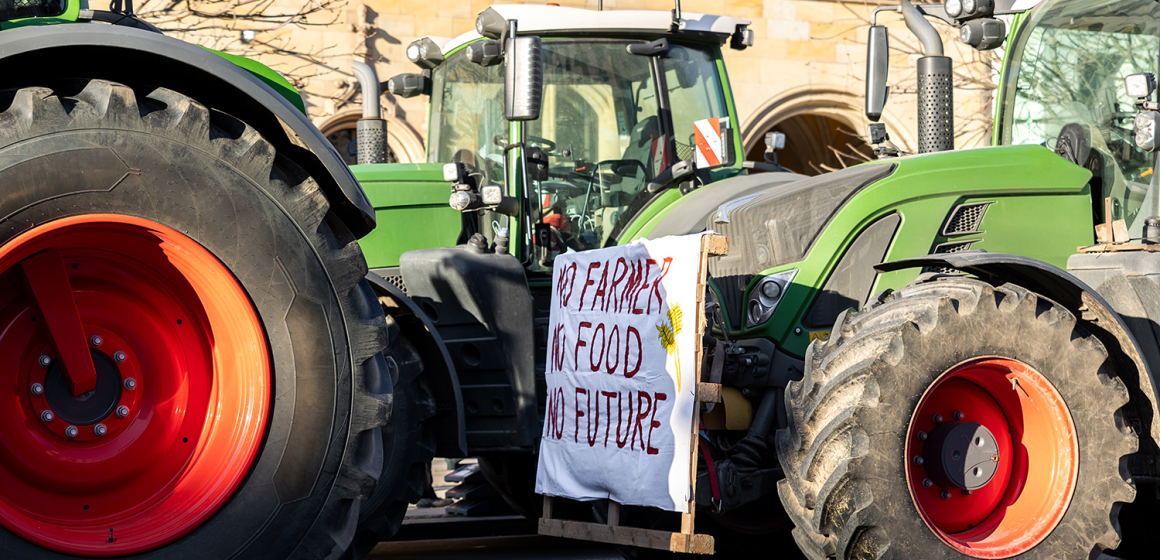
{"x":481,"y":306}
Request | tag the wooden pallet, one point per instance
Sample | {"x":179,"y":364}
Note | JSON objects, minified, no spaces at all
{"x":612,"y":532}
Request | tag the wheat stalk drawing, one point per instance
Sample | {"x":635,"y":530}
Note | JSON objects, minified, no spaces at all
{"x":668,"y":332}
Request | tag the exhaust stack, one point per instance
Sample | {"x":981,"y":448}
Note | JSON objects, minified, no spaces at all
{"x":936,"y":130}
{"x":371,"y":131}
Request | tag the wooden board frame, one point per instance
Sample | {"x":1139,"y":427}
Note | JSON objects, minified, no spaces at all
{"x":687,"y":540}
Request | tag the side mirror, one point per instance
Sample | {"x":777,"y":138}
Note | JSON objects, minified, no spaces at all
{"x":524,"y":78}
{"x":877,"y":67}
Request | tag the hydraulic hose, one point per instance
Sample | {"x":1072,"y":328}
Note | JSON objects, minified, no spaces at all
{"x":751,"y":450}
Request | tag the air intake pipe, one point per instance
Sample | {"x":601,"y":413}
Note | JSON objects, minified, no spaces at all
{"x":371,"y":131}
{"x":935,"y":88}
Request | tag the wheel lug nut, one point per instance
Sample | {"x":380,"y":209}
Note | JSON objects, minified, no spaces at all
{"x":96,"y":340}
{"x":119,"y":356}
{"x":47,"y":415}
{"x":959,"y":415}
{"x":921,"y":436}
{"x":927,"y":483}
{"x":946,"y":494}
{"x":918,"y":460}
{"x":37,"y":389}
{"x":937,"y":418}
{"x":71,"y":431}
{"x":44,"y":361}
{"x":966,"y":492}
{"x":130,"y":383}
{"x":122,"y":411}
{"x":100,"y":430}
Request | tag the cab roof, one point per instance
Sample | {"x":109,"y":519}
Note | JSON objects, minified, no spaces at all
{"x":561,"y":21}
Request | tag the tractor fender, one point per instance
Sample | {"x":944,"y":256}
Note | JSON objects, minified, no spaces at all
{"x":450,"y":429}
{"x":41,"y":54}
{"x":1089,"y":306}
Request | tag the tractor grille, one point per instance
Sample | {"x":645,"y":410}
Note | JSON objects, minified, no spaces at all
{"x":393,"y":275}
{"x":397,"y":280}
{"x":964,"y":219}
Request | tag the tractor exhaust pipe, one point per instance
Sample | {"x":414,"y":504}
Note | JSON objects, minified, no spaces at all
{"x":371,"y":131}
{"x":936,"y":130}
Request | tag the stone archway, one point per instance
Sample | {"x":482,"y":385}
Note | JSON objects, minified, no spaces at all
{"x":815,"y":144}
{"x":403,"y":143}
{"x":814,"y":120}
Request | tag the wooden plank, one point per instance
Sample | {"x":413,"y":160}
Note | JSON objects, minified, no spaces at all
{"x":1120,"y":232}
{"x":547,"y":507}
{"x":613,"y":513}
{"x":715,"y":244}
{"x":1115,"y":247}
{"x":709,"y":392}
{"x":628,"y":536}
{"x":1104,"y":233}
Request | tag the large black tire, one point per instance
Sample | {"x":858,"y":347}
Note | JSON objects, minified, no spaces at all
{"x":408,"y":447}
{"x":843,"y":451}
{"x":102,"y":147}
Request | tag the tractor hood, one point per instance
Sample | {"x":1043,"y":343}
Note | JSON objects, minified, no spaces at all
{"x":778,"y":225}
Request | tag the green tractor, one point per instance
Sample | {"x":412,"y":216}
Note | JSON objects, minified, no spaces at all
{"x":194,"y":365}
{"x":917,"y":356}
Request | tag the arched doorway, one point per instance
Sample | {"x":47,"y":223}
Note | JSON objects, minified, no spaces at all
{"x":815,"y":144}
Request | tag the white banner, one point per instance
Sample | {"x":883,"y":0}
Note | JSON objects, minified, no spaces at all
{"x":620,"y":374}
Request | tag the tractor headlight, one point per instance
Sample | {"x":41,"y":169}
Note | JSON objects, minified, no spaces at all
{"x":451,"y":172}
{"x":425,"y":53}
{"x":484,"y":53}
{"x":969,"y":7}
{"x":1140,"y":85}
{"x":983,"y":34}
{"x":1145,"y":126}
{"x":954,"y":8}
{"x":766,"y":295}
{"x":492,"y":194}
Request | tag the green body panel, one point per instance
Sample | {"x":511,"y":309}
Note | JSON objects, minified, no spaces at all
{"x":410,"y":201}
{"x":1041,"y":207}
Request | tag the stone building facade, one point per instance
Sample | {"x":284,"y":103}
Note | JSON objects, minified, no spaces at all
{"x":804,"y":75}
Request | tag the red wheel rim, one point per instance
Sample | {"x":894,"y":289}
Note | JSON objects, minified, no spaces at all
{"x":1037,"y":466}
{"x":197,"y":414}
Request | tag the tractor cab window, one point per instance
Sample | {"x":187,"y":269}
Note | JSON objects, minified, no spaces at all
{"x":1068,"y":66}
{"x":467,"y":123}
{"x":601,"y":131}
{"x":694,"y":94}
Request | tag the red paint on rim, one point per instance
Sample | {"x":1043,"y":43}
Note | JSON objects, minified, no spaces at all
{"x":1038,"y":458}
{"x":198,"y":414}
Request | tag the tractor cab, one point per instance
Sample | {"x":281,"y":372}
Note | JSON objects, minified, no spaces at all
{"x":624,"y":100}
{"x":1065,"y":90}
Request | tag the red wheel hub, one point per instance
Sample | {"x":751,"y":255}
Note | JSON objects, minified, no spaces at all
{"x":1034,"y":451}
{"x":182,"y":385}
